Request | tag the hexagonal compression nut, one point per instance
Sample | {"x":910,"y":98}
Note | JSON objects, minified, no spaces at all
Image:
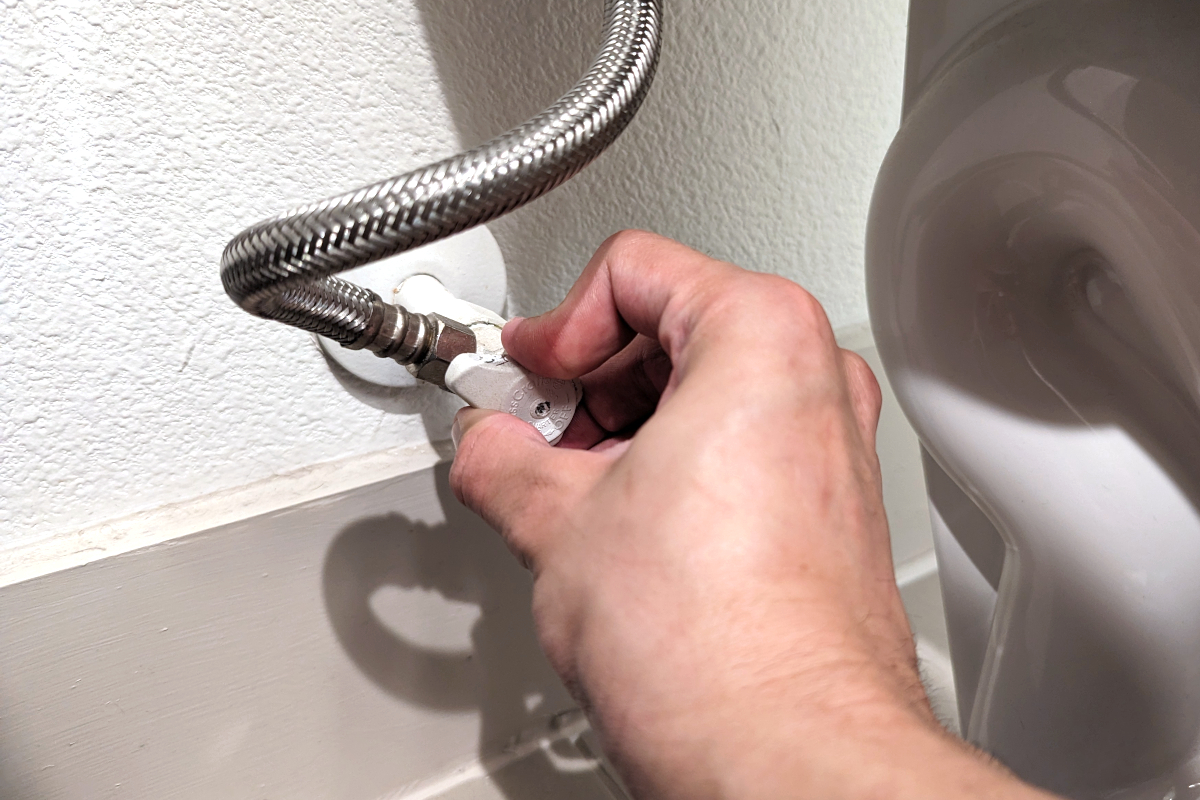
{"x":449,"y":339}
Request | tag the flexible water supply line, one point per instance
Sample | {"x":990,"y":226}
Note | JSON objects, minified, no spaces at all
{"x":282,"y":268}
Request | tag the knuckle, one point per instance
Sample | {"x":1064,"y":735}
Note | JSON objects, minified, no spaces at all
{"x":628,"y":244}
{"x":861,"y":371}
{"x":798,"y":315}
{"x":759,"y":302}
{"x":864,"y":385}
{"x":798,"y":304}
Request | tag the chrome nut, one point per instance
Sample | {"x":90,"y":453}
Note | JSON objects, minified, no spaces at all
{"x":448,"y":339}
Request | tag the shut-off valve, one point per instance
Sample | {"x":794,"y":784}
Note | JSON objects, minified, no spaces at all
{"x":463,"y":355}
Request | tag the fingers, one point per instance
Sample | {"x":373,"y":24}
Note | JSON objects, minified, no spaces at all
{"x":636,"y":283}
{"x":625,"y":389}
{"x":621,"y":393}
{"x":584,"y":432}
{"x":505,"y":472}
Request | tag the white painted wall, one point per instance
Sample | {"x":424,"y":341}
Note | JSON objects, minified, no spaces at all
{"x":138,"y":136}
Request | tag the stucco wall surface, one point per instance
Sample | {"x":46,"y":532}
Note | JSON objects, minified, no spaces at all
{"x":139,"y":135}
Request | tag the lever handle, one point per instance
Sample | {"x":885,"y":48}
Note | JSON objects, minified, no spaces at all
{"x":498,"y":383}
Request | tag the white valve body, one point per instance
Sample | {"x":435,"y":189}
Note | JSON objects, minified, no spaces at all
{"x":488,"y":378}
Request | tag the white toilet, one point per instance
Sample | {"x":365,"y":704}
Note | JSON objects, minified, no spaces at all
{"x":1034,"y":277}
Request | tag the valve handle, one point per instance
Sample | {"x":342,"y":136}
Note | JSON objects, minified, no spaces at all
{"x":501,"y":384}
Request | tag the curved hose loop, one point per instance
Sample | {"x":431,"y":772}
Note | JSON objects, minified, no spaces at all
{"x":282,"y":267}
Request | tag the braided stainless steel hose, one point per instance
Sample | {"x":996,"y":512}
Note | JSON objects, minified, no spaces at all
{"x":282,"y":267}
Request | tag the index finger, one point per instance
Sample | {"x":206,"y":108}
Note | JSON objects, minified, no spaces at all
{"x":637,"y":282}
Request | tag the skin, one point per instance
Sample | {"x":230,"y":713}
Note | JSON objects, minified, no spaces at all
{"x":712,"y":572}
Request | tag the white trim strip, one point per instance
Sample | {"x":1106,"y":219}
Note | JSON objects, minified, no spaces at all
{"x":69,"y":549}
{"x":916,"y":569}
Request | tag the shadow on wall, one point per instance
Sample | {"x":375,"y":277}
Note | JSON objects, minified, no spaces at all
{"x":500,"y":63}
{"x":740,"y":149}
{"x":461,"y":560}
{"x":435,"y":407}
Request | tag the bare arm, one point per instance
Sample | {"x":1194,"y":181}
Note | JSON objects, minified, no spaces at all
{"x":713,"y":579}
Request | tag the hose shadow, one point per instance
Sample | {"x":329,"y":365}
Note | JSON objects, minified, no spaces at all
{"x":685,"y":168}
{"x":500,"y":63}
{"x":735,"y":150}
{"x":419,"y":656}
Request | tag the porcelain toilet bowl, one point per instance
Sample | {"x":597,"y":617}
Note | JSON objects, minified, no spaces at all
{"x":1033,"y":269}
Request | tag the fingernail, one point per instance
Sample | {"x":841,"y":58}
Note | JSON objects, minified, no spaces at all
{"x":510,"y":328}
{"x":456,"y":431}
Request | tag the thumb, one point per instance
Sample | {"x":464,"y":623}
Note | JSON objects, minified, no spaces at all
{"x":506,"y":472}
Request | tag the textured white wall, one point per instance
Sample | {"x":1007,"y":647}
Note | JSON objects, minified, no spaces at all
{"x":139,"y":135}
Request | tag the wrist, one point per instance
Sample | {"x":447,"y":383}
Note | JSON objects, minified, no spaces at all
{"x":862,"y":752}
{"x":787,"y":710}
{"x":861,"y":740}
{"x":801,"y":736}
{"x":824,"y":746}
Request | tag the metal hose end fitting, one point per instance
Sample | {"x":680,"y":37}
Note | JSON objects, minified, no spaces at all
{"x":425,"y":343}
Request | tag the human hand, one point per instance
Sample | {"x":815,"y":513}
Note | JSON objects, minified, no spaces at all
{"x":713,"y":577}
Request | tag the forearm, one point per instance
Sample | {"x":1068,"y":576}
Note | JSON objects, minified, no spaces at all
{"x":888,"y":757}
{"x":858,"y":752}
{"x":791,"y":702}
